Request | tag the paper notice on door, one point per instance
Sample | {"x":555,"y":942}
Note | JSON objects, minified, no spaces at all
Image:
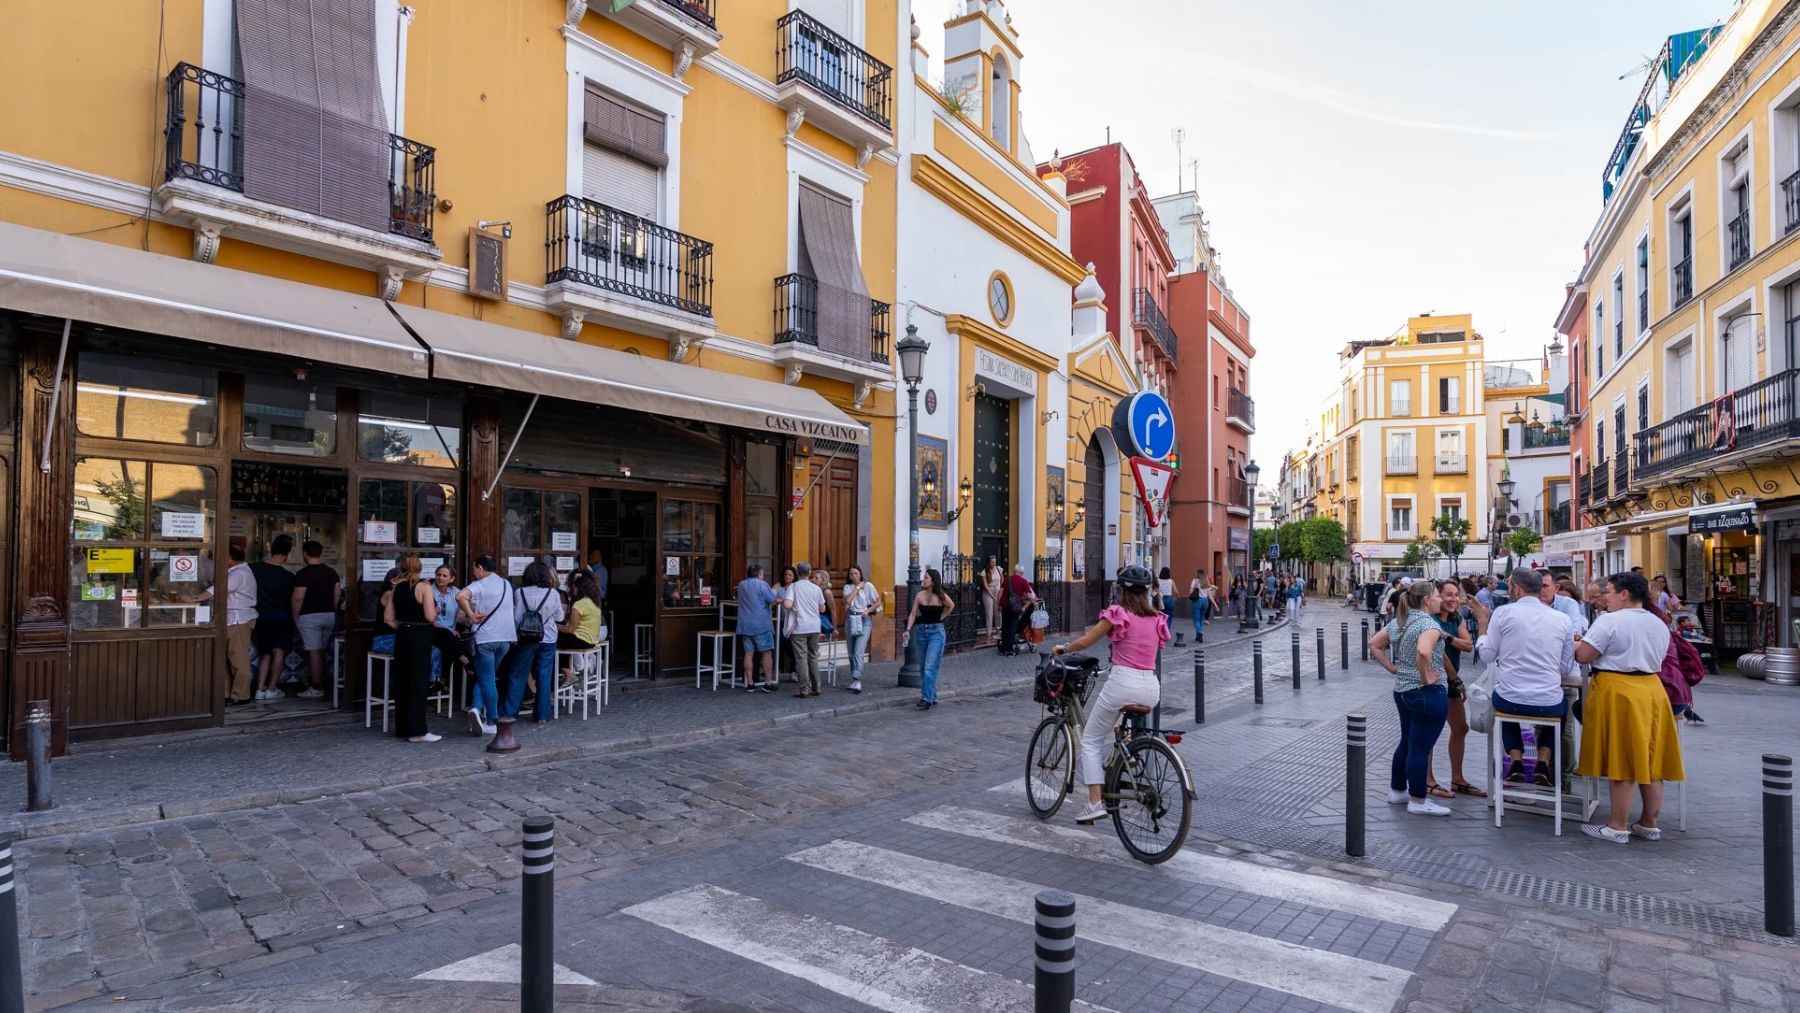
{"x":202,"y":615}
{"x":176,"y":525}
{"x":184,"y":569}
{"x":515,"y":565}
{"x":426,"y":536}
{"x":111,"y":560}
{"x":428,"y":565}
{"x":672,"y":566}
{"x":562,"y":541}
{"x":565,"y":563}
{"x":380,"y":532}
{"x":375,"y":570}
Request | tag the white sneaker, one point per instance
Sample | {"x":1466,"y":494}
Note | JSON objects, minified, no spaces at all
{"x":1426,"y":808}
{"x":487,"y":729}
{"x":313,"y":693}
{"x":1398,"y":797}
{"x":269,"y":694}
{"x":476,"y":725}
{"x":1093,"y":813}
{"x":427,"y":737}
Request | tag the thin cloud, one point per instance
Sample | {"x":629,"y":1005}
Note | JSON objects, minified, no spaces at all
{"x":1351,"y":106}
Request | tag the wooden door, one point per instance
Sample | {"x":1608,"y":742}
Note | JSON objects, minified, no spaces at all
{"x":832,"y":515}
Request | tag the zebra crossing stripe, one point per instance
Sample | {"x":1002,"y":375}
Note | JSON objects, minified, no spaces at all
{"x":1196,"y":867}
{"x":868,"y":969}
{"x":1348,"y":982}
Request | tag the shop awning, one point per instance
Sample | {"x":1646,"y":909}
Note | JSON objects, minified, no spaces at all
{"x":1583,"y":540}
{"x":473,"y":351}
{"x":116,"y":286}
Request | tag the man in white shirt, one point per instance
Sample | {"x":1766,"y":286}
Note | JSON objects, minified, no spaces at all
{"x":240,"y":619}
{"x":486,"y":604}
{"x":805,"y":600}
{"x":1531,"y":646}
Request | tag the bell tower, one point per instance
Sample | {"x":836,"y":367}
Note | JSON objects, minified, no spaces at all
{"x":982,"y":65}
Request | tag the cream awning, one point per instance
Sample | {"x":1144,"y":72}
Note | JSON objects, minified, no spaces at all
{"x":474,"y":351}
{"x":116,"y":286}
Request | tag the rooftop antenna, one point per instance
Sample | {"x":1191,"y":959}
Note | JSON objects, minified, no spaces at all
{"x":1178,"y":135}
{"x":1109,"y":133}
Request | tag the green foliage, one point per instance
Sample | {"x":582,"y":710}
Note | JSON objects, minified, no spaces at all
{"x":1260,"y":542}
{"x":1523,"y":541}
{"x":960,"y":96}
{"x":1323,"y":541}
{"x":1451,"y":535}
{"x":1292,"y":539}
{"x":127,"y":499}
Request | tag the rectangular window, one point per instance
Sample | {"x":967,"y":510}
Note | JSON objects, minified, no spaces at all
{"x":624,"y":155}
{"x":692,"y":548}
{"x":1679,"y":374}
{"x":1619,"y":430}
{"x":143,"y":534}
{"x":1618,"y":300}
{"x":1643,"y":284}
{"x":1449,"y":395}
{"x":1681,"y":256}
{"x":404,"y":429}
{"x":1400,"y":398}
{"x":1401,"y":520}
{"x":1600,"y":438}
{"x":424,"y":519}
{"x":1736,"y":353}
{"x":123,"y":397}
{"x":828,"y":256}
{"x":294,"y":417}
{"x":1451,"y":508}
{"x":1643,"y":407}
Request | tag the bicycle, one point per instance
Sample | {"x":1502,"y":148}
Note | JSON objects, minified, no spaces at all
{"x":1147,"y":789}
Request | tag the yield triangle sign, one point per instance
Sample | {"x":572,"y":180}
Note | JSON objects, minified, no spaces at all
{"x":1153,"y":487}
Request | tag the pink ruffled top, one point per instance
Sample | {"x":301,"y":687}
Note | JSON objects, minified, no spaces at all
{"x":1135,"y":638}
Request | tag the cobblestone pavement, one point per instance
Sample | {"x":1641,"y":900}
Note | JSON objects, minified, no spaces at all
{"x":339,"y":902}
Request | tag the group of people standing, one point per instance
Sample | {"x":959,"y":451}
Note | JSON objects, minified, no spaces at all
{"x":808,"y":609}
{"x":1537,"y":640}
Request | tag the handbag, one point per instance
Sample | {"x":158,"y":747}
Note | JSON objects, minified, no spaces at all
{"x":856,"y":624}
{"x":465,"y":638}
{"x":1478,"y":699}
{"x":1040,"y":619}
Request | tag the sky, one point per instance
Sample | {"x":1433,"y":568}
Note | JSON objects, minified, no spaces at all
{"x":1359,"y":161}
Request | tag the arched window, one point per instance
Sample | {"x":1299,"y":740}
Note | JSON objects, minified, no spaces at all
{"x":1000,"y":112}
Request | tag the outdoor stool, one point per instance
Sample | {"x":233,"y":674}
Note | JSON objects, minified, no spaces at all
{"x":337,"y":668}
{"x":386,"y":703}
{"x":1681,"y":785}
{"x":1526,"y":793}
{"x":447,"y":698}
{"x":643,"y":650}
{"x":722,"y":663}
{"x":591,"y":678}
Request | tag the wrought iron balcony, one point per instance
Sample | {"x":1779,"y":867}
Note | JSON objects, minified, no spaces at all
{"x":1584,"y":488}
{"x":1149,"y":316}
{"x":698,"y":10}
{"x":809,"y":53}
{"x":1557,"y":519}
{"x":1240,"y":410}
{"x":203,"y":139}
{"x":797,"y":320}
{"x":1683,"y":280}
{"x":1601,"y":475}
{"x":1546,"y":437}
{"x":1402,"y":465}
{"x":1758,"y":416}
{"x":1738,"y":234}
{"x":1238,"y":495}
{"x":1790,"y":203}
{"x":601,"y":247}
{"x":1621,"y":475}
{"x":1452,"y":464}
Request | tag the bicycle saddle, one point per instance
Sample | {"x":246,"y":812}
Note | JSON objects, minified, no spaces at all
{"x":1135,"y":708}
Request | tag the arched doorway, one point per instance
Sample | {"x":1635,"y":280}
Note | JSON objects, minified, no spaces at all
{"x":1093,"y":496}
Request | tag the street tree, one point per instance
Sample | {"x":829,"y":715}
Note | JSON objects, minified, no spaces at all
{"x":1522,"y":542}
{"x":1451,"y":533}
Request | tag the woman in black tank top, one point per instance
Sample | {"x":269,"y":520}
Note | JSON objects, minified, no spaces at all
{"x":412,"y":613}
{"x":930,"y":608}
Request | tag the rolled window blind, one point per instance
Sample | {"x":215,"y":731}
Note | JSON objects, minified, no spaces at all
{"x":619,"y":182}
{"x":833,"y":14}
{"x":617,"y":125}
{"x":828,"y":238}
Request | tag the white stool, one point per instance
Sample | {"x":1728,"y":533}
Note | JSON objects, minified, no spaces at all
{"x":643,"y":650}
{"x":386,"y":703}
{"x":724,"y":660}
{"x":337,"y":668}
{"x":592,"y":680}
{"x":447,"y":698}
{"x":1681,"y":785}
{"x":1528,"y":795}
{"x":829,"y":650}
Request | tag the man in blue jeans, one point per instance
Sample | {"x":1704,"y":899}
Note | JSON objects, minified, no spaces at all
{"x":487,"y":606}
{"x":1530,"y":646}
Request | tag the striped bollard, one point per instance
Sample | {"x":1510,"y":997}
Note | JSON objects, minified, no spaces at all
{"x":1256,"y":668}
{"x":1344,"y":646}
{"x":537,"y":929}
{"x":12,"y":982}
{"x":1356,"y":763}
{"x":1319,"y":650}
{"x":1055,"y":952}
{"x":1199,"y":686}
{"x":1778,"y":845}
{"x":1365,"y":639}
{"x":1294,"y":643}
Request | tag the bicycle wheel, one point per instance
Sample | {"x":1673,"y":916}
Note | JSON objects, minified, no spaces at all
{"x":1049,"y":767}
{"x":1151,"y":809}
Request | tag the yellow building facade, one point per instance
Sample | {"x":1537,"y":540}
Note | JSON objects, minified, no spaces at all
{"x":633,"y":269}
{"x":1686,"y":384}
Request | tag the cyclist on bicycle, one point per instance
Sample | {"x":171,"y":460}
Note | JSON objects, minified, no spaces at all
{"x":1137,"y":629}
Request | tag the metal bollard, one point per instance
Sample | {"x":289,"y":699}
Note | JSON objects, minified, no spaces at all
{"x":1319,"y":650}
{"x":38,"y":796}
{"x":1256,"y":668}
{"x":1294,"y":642}
{"x":1356,"y":762}
{"x":537,"y":928}
{"x":1365,"y":638}
{"x":1055,"y":980}
{"x":12,"y":982}
{"x":1344,"y":646}
{"x":1199,"y":686}
{"x":1778,"y":844}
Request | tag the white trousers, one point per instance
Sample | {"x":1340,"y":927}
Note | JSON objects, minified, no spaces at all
{"x":1123,"y":686}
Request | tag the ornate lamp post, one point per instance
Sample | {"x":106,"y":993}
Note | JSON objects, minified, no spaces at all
{"x":1252,"y":583}
{"x":912,"y":350}
{"x":1501,"y":508}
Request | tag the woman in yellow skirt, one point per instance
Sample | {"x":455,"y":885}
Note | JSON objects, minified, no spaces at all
{"x":1627,"y":728}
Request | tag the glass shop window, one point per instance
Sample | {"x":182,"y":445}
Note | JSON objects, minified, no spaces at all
{"x":133,"y":398}
{"x":141,"y":544}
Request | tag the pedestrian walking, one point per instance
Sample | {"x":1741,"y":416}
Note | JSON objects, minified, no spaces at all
{"x":1017,"y":600}
{"x":1165,"y":592}
{"x":756,"y":629}
{"x":1296,"y":593}
{"x":486,"y":606}
{"x":993,"y":585}
{"x":1628,"y":727}
{"x":1412,"y":648}
{"x":805,"y":603}
{"x":273,"y":635}
{"x":318,"y":591}
{"x":930,"y":607}
{"x":537,"y":608}
{"x":411,"y":612}
{"x":1203,"y":600}
{"x":862,"y":603}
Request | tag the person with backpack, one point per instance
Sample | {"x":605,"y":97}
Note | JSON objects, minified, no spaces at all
{"x":537,"y":608}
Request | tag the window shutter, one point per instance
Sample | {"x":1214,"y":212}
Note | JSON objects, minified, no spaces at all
{"x":833,"y":14}
{"x":828,"y":238}
{"x":619,"y":126}
{"x":616,"y":181}
{"x":1681,"y":381}
{"x":1739,"y":362}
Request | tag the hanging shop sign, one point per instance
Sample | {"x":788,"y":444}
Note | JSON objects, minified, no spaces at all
{"x":1737,"y":518}
{"x":1237,"y":539}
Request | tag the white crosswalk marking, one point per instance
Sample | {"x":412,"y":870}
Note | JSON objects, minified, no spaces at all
{"x":1348,"y":982}
{"x":868,"y":969}
{"x":1249,"y":877}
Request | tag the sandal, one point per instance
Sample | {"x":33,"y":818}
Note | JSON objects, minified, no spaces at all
{"x":1439,"y":791}
{"x":1463,"y":788}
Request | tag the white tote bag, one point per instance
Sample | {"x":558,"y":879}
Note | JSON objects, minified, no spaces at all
{"x":1478,"y":699}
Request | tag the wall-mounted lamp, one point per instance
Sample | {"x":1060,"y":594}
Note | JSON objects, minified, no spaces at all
{"x":1080,"y":515}
{"x":974,"y":389}
{"x":965,"y":491}
{"x":505,"y":227}
{"x":1045,"y":417}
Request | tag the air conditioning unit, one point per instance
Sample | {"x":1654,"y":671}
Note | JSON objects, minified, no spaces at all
{"x":1515,"y":520}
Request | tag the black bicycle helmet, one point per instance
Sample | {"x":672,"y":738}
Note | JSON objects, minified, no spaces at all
{"x":1136,"y":578}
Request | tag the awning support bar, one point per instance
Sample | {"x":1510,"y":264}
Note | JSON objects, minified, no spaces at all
{"x":793,"y":507}
{"x":62,"y":355}
{"x":504,"y":461}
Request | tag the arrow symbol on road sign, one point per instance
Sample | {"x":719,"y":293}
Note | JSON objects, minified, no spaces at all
{"x":1160,"y":418}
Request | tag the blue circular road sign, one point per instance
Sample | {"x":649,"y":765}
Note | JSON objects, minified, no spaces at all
{"x":1145,"y":425}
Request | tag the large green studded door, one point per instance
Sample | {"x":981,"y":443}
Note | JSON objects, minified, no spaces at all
{"x":993,"y":478}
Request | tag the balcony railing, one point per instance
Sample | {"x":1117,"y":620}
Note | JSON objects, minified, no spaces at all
{"x":1240,"y":406}
{"x":1759,"y":415}
{"x":1601,"y":476}
{"x":1557,"y":520}
{"x":203,"y":140}
{"x":591,"y":244}
{"x":1738,"y":235}
{"x":1237,"y":491}
{"x":797,"y":320}
{"x":1621,"y":475}
{"x":1407,"y":465}
{"x":812,"y":54}
{"x":1790,"y":202}
{"x":1146,"y":314}
{"x":1546,"y":437}
{"x":1452,"y":464}
{"x":1584,"y":488}
{"x":1684,"y":281}
{"x":696,"y":10}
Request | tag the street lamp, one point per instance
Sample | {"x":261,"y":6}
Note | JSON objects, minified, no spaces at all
{"x":1252,"y":618}
{"x":1501,"y":509}
{"x":912,"y":350}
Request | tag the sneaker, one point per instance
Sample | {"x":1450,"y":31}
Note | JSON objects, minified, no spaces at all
{"x":269,"y":694}
{"x":766,"y":687}
{"x":1092,"y":813}
{"x":856,"y":687}
{"x":490,"y":729}
{"x":476,"y":727}
{"x":1516,"y":775}
{"x":1606,"y":833}
{"x":1398,"y":797}
{"x":1647,"y":833}
{"x":313,"y":693}
{"x":1426,"y":808}
{"x":427,"y":737}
